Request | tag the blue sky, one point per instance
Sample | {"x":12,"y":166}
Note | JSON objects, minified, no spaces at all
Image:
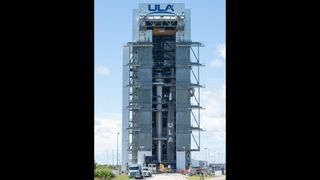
{"x":113,"y":29}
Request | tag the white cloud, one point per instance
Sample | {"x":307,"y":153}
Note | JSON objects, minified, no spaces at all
{"x":103,"y":70}
{"x":220,"y":60}
{"x":214,"y":102}
{"x":213,"y":120}
{"x":217,"y":63}
{"x":105,"y":137}
{"x":222,"y":51}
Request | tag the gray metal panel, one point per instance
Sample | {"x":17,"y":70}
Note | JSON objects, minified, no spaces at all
{"x":144,"y":115}
{"x":181,"y":160}
{"x":183,"y":138}
{"x":144,"y":98}
{"x":183,"y":77}
{"x":187,"y":29}
{"x":183,"y":100}
{"x":145,"y":76}
{"x":145,"y":133}
{"x":145,"y":56}
{"x":182,"y":56}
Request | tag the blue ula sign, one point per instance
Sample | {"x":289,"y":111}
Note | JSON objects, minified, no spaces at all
{"x":156,"y":8}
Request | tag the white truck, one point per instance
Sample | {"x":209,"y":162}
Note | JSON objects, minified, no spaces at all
{"x":146,"y":172}
{"x":152,"y":168}
{"x":135,"y":171}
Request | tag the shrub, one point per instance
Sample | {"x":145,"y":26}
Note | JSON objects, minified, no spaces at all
{"x":103,"y":173}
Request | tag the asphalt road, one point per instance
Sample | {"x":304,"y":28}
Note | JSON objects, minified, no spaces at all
{"x":175,"y":176}
{"x":218,"y":178}
{"x":171,"y":176}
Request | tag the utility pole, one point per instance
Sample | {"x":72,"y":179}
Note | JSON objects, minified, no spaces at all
{"x":209,"y":156}
{"x":205,"y":151}
{"x":222,"y":158}
{"x":112,"y":156}
{"x":117,"y":153}
{"x":214,"y":162}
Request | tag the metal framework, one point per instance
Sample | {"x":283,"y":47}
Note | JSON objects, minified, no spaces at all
{"x":162,"y":97}
{"x":146,"y":21}
{"x":133,"y":105}
{"x":195,"y":108}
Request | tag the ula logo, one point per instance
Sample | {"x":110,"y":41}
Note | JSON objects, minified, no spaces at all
{"x":170,"y":134}
{"x":157,"y":9}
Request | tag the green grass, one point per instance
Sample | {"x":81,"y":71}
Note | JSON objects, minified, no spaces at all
{"x":120,"y":177}
{"x":105,"y":172}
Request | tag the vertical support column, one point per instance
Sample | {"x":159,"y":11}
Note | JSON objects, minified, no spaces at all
{"x":198,"y":60}
{"x":159,"y":117}
{"x":125,"y":110}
